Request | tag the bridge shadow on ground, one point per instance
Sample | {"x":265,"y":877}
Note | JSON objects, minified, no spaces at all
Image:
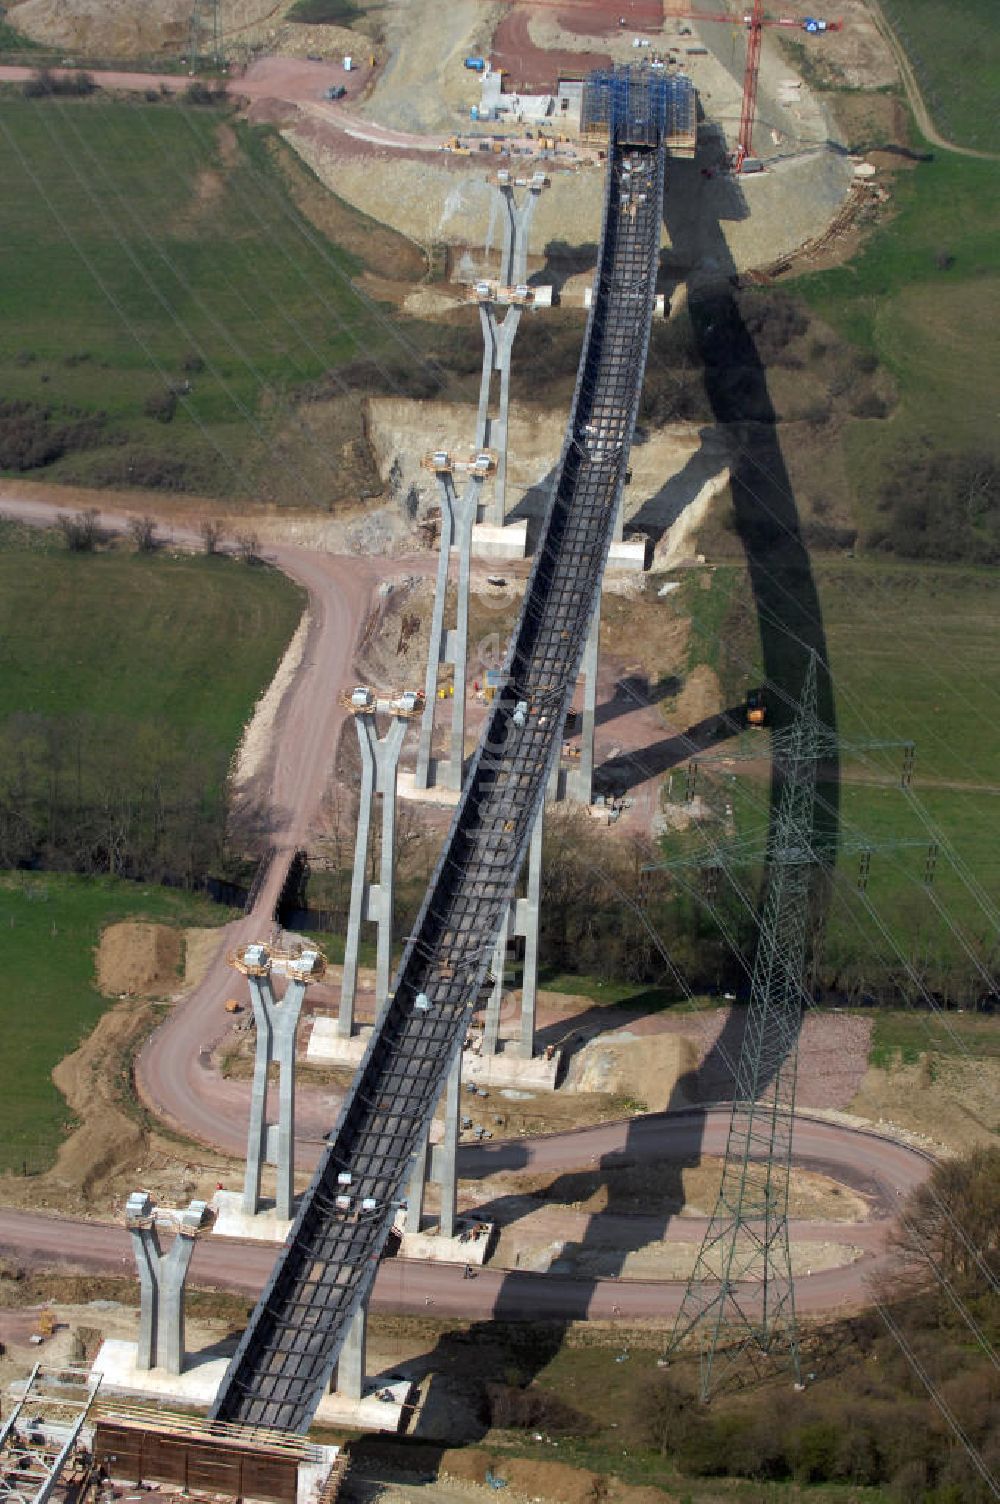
{"x":791,"y":631}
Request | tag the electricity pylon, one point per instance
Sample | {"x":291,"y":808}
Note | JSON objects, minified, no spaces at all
{"x":740,"y":1296}
{"x":204,"y":34}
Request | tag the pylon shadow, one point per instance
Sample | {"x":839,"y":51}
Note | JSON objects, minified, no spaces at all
{"x":791,"y":632}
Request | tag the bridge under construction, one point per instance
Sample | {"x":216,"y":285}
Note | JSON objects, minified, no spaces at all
{"x":325,"y":1272}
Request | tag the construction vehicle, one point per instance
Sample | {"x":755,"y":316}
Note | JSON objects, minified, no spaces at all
{"x":45,"y":1325}
{"x":755,"y":708}
{"x":232,"y":1006}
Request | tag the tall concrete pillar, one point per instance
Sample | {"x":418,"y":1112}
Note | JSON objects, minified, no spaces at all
{"x":438,"y":1164}
{"x":491,"y":1023}
{"x":458,"y":514}
{"x":349,"y":1374}
{"x":498,"y":336}
{"x":443,"y":1166}
{"x":526,"y":924}
{"x":413,"y":1221}
{"x":523,"y":923}
{"x":161,"y":1283}
{"x":277,"y":1021}
{"x":372,"y":901}
{"x":581,"y":780}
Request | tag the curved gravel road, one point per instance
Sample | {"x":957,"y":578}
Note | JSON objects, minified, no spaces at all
{"x":174,"y":1079}
{"x":880,"y":1167}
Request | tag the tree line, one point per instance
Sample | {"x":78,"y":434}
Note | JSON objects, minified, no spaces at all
{"x":105,"y":795}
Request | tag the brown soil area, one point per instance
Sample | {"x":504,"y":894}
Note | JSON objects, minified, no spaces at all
{"x":638,"y":631}
{"x":140,"y":960}
{"x":954,"y":1102}
{"x":133,"y":28}
{"x":700,"y":698}
{"x":386,"y":253}
{"x":594,"y":18}
{"x":461,"y":1479}
{"x":112,"y":1147}
{"x":856,"y":57}
{"x":531,"y":68}
{"x":645,"y":1070}
{"x":200,"y":946}
{"x":525,"y":1479}
{"x":671,"y":1188}
{"x":107,"y":1138}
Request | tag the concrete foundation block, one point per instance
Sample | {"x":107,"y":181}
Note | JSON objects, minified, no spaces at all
{"x":497,"y":543}
{"x":506,"y":1068}
{"x":431,"y":1248}
{"x":434,"y":795}
{"x":231,"y":1221}
{"x":198,"y":1385}
{"x":329,"y":1047}
{"x":628,"y":557}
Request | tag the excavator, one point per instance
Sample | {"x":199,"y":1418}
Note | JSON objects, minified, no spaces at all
{"x":755,"y":708}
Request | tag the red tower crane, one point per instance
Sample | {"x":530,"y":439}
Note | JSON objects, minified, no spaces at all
{"x":754,"y":20}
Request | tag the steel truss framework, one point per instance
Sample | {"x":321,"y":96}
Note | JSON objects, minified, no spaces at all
{"x":740,"y":1298}
{"x":293,"y":1339}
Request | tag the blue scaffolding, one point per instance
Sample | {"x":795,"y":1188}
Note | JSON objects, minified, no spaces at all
{"x":640,"y":105}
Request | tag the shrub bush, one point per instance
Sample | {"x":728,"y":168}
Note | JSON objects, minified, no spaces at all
{"x":940,"y":506}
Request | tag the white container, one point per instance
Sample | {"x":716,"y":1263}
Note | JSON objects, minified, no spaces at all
{"x":348,"y":64}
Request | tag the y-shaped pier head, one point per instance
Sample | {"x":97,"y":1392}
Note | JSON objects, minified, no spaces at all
{"x":277,"y":1022}
{"x":162,"y":1273}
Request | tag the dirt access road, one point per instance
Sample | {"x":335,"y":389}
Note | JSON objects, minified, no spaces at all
{"x":913,"y":94}
{"x":270,"y":82}
{"x":883,"y":1167}
{"x":342,"y":592}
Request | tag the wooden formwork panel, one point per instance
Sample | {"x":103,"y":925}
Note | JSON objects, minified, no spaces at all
{"x":200,"y":1464}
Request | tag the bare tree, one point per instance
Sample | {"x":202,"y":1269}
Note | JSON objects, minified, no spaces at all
{"x":142,"y":531}
{"x":248,"y":547}
{"x":211,"y":536}
{"x":80,"y":530}
{"x":952,"y":1220}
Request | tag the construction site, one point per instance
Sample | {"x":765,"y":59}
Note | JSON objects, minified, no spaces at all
{"x":421,"y":1137}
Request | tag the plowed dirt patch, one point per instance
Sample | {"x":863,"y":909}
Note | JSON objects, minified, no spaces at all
{"x":140,"y":960}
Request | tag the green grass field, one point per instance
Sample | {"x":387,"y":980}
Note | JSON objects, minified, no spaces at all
{"x":12,"y":40}
{"x":904,"y":1037}
{"x":125,"y":683}
{"x":184,"y":640}
{"x":915,"y":654}
{"x":49,"y":926}
{"x":150,"y":245}
{"x":923,"y":296}
{"x":954,"y":50}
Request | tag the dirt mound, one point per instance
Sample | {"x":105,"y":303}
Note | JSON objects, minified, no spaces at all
{"x":105,"y":28}
{"x":142,"y":960}
{"x":700,"y":698}
{"x":647,"y":1069}
{"x":524,"y":1479}
{"x":107,"y":1139}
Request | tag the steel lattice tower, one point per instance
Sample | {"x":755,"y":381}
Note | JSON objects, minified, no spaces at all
{"x":204,"y":19}
{"x":741,"y":1294}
